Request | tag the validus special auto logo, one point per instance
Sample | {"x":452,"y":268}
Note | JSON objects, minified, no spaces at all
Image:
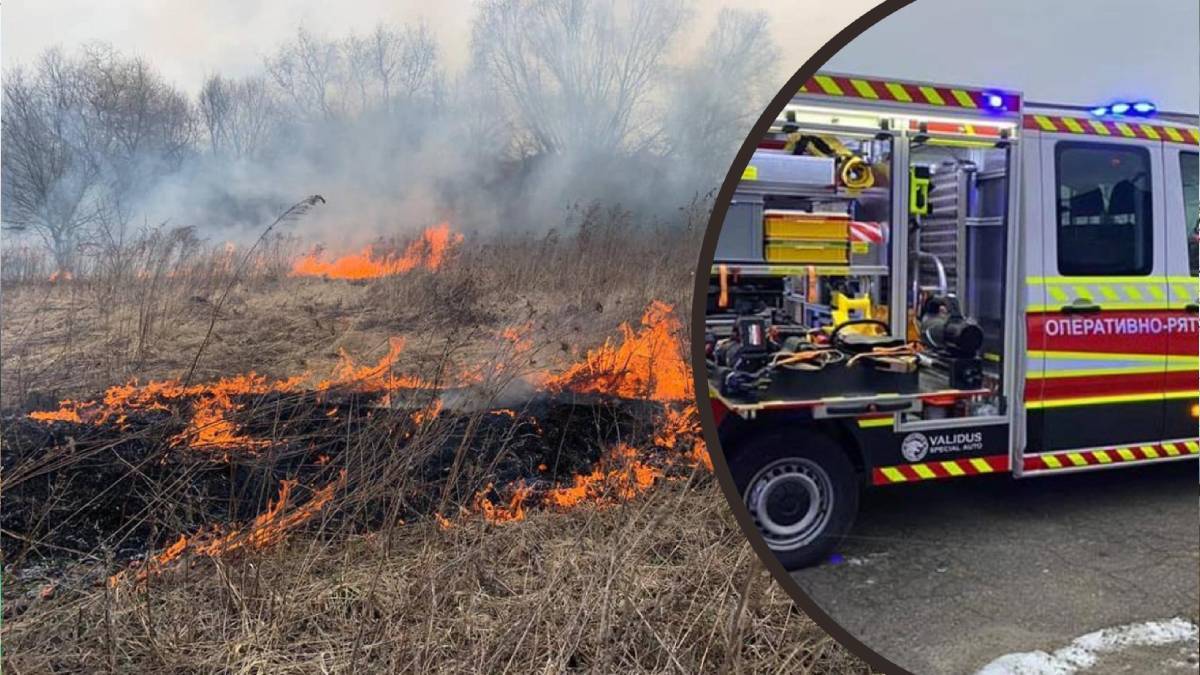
{"x":916,"y":446}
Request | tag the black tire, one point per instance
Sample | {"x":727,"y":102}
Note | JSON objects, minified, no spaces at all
{"x":802,"y":493}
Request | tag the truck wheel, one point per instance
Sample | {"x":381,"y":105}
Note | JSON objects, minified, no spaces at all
{"x":801,"y":491}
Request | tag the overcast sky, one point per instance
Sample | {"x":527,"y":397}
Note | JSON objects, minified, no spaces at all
{"x":187,"y":39}
{"x":1074,"y":51}
{"x":1080,"y":52}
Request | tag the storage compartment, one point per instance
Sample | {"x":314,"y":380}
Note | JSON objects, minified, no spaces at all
{"x":808,"y":253}
{"x":784,"y":168}
{"x":799,"y":225}
{"x":741,"y":236}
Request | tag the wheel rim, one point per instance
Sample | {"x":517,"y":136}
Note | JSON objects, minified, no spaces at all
{"x":791,"y":501}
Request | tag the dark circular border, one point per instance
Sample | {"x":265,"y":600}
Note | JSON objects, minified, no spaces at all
{"x":699,"y":293}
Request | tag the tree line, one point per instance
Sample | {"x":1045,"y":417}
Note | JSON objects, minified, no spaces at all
{"x":561,"y":100}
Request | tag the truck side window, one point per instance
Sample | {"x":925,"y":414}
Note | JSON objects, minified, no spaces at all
{"x":1189,"y":168}
{"x":1105,"y":226}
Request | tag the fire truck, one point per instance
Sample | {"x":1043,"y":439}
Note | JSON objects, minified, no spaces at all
{"x":918,"y":282}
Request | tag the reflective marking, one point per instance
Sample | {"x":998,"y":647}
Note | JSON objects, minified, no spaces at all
{"x":1073,"y":125}
{"x":1100,"y":128}
{"x":924,"y":471}
{"x":864,"y":89}
{"x":964,"y":99}
{"x":932,"y":96}
{"x":1045,"y":123}
{"x":898,"y":92}
{"x":952,"y":469}
{"x":1102,"y":457}
{"x":981,"y":465}
{"x":829,"y":85}
{"x":1126,"y":454}
{"x":893,"y":475}
{"x":1149,"y":451}
{"x":1077,"y":459}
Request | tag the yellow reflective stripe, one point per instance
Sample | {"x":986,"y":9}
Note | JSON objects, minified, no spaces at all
{"x":1195,"y":134}
{"x":932,"y":96}
{"x":1156,"y":292}
{"x":1076,"y":459}
{"x":1102,"y":456}
{"x":1170,"y":449}
{"x":1149,"y":451}
{"x":864,"y":89}
{"x":1173,"y":135}
{"x":1095,"y":400}
{"x":893,"y":474}
{"x":1073,"y":125}
{"x":876,"y":422}
{"x":923,"y":471}
{"x":1052,"y":461}
{"x":1103,"y":356}
{"x":1132,"y":291}
{"x":1057,"y":293}
{"x":964,"y":99}
{"x":826,"y":83}
{"x":981,"y":466}
{"x":953,"y":469}
{"x":1124,"y":129}
{"x":898,"y":92}
{"x":1126,"y":454}
{"x":1091,"y":372}
{"x":1182,"y":291}
{"x":1149,"y":132}
{"x":1045,"y":123}
{"x":1100,"y":127}
{"x":1192,"y":446}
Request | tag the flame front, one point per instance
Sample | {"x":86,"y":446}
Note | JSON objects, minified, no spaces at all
{"x":646,"y":363}
{"x":427,"y":252}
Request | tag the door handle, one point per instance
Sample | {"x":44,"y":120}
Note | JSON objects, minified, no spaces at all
{"x":1081,"y":306}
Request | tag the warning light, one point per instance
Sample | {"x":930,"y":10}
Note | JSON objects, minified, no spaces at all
{"x":1139,"y":109}
{"x":1195,"y":410}
{"x":994,"y":101}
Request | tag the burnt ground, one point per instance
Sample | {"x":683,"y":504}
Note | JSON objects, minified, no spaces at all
{"x":950,"y":576}
{"x":114,"y":492}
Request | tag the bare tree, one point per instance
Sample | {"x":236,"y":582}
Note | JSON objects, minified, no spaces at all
{"x":718,"y":95}
{"x":575,"y":74}
{"x":83,"y":138}
{"x":306,"y":71}
{"x":50,"y":177}
{"x":238,"y":116}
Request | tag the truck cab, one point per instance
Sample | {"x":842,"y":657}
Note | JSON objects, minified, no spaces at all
{"x":917,"y":281}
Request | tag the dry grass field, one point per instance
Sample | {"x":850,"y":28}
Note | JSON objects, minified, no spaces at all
{"x":483,"y":458}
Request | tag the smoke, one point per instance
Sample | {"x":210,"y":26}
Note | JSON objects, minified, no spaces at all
{"x":558,"y":104}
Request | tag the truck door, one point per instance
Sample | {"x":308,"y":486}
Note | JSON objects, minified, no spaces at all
{"x":1182,"y":190}
{"x":1102,"y":328}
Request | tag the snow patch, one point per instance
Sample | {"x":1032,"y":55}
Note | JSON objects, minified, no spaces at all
{"x":1085,"y":651}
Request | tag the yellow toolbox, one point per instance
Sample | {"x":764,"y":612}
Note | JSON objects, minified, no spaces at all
{"x":808,"y":252}
{"x":782,"y":224}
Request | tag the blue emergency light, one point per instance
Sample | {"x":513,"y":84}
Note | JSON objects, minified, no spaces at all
{"x":994,"y":101}
{"x":1139,"y":109}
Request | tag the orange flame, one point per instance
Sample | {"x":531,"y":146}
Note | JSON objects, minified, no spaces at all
{"x":428,"y":252}
{"x":268,"y":529}
{"x":646,"y":363}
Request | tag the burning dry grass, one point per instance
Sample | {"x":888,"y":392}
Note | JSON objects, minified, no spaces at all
{"x":436,"y":469}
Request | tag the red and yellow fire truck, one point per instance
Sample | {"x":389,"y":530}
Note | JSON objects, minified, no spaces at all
{"x":918,"y":282}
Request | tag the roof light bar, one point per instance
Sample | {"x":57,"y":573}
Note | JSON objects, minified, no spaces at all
{"x":1138,"y":109}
